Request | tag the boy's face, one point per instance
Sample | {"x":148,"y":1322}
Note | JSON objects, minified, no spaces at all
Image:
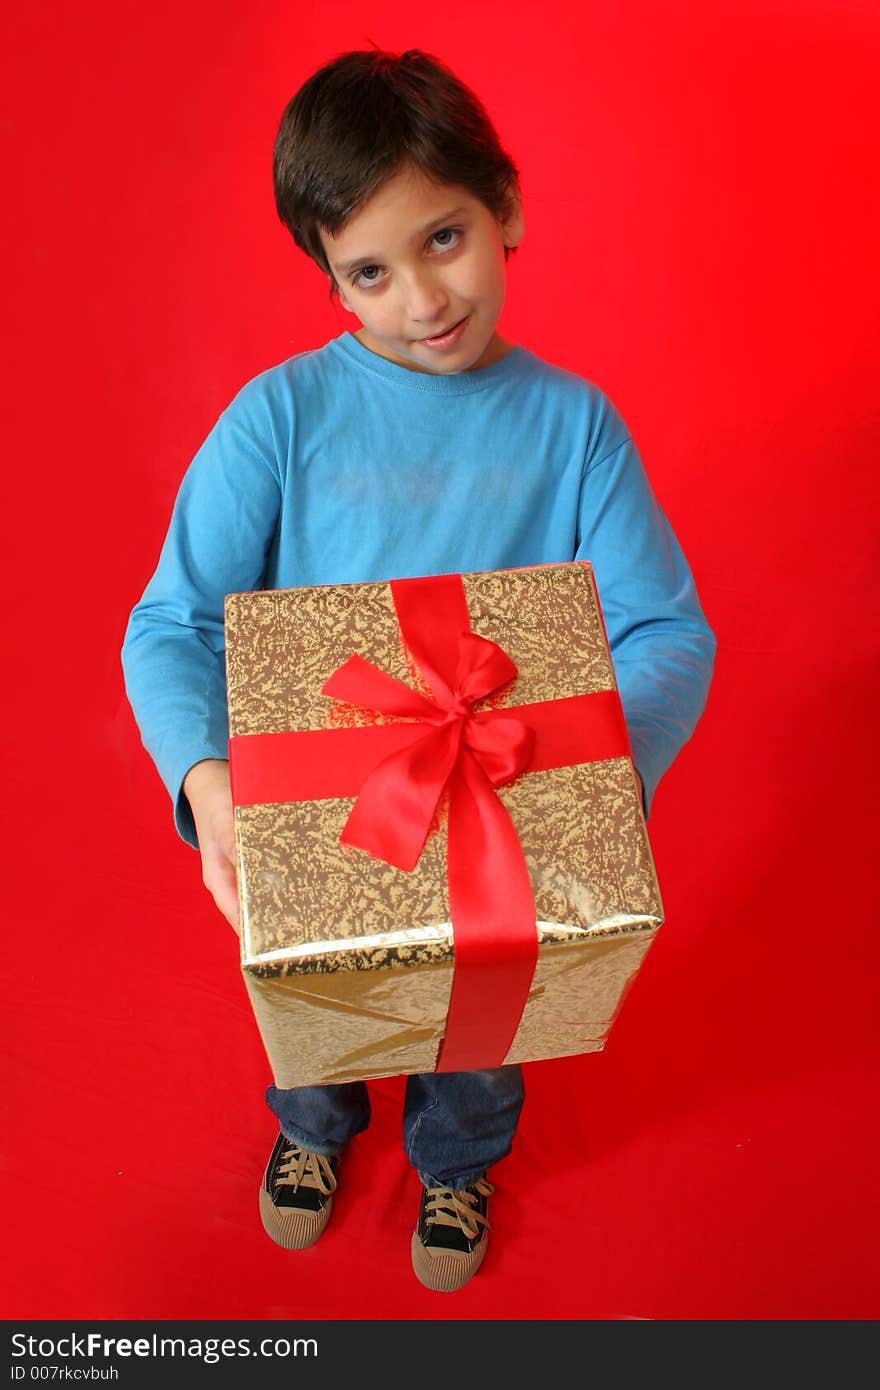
{"x":421,"y":264}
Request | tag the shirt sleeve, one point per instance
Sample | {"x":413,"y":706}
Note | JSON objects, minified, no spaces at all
{"x":662,"y":648}
{"x":173,"y":655}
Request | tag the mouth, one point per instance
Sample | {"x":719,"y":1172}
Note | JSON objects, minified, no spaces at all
{"x":447,"y":337}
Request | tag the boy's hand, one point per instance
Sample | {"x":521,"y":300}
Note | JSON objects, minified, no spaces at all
{"x":206,"y":787}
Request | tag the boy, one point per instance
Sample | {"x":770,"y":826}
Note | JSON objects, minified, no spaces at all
{"x":421,"y":443}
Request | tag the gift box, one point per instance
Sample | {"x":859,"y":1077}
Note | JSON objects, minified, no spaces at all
{"x":442,"y":858}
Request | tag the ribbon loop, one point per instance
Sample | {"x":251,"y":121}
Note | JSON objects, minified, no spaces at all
{"x":359,"y":682}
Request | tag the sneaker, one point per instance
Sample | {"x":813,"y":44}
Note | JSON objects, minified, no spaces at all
{"x":450,"y":1240}
{"x":296,"y":1197}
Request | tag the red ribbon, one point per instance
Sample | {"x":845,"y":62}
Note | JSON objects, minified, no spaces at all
{"x":400,"y":771}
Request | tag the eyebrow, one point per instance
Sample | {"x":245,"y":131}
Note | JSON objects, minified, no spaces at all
{"x":346,"y":267}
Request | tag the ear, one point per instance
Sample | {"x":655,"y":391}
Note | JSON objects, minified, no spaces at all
{"x":512,"y":224}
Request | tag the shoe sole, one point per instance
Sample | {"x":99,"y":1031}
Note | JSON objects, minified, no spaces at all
{"x":446,"y":1270}
{"x":292,"y":1227}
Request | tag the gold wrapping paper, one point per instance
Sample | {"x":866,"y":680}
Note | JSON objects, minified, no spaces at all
{"x":348,"y":961}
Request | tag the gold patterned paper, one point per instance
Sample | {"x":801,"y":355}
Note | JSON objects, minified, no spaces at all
{"x":348,"y":961}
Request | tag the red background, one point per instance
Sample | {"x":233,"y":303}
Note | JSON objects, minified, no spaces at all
{"x":701,"y":206}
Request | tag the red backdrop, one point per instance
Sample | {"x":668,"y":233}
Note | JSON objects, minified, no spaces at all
{"x":701,"y":241}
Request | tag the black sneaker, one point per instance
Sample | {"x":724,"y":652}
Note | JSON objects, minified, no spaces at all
{"x":296,"y":1197}
{"x":450,"y":1241}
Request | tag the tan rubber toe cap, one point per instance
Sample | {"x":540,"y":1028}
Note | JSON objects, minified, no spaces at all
{"x":292,"y":1227}
{"x":444,"y":1271}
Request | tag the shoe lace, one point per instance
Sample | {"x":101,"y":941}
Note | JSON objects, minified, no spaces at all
{"x":301,"y":1168}
{"x":456,"y":1206}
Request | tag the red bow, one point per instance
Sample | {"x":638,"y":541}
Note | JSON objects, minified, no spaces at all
{"x":397,"y":802}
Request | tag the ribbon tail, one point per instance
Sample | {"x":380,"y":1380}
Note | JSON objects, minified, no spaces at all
{"x":495,"y":931}
{"x":396,"y":803}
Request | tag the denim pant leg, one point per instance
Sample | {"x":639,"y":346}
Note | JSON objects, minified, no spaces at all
{"x":457,"y":1123}
{"x":321,"y":1118}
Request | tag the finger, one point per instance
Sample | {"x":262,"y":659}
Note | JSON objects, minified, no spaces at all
{"x":222,"y":884}
{"x":228,"y":902}
{"x":228,"y":906}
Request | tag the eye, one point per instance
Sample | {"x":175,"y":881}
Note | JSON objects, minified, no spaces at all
{"x":447,"y":237}
{"x":370,"y":274}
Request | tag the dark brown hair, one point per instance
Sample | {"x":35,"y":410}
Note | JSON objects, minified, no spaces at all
{"x":357,"y":120}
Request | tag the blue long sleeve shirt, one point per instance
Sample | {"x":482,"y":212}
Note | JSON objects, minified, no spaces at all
{"x":337,"y":466}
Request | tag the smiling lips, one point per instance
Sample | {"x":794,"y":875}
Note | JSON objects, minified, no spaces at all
{"x":448,"y":338}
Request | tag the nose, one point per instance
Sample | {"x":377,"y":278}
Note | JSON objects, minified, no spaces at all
{"x":426,"y":300}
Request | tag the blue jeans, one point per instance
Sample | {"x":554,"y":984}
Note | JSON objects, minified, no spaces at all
{"x":455,"y":1123}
